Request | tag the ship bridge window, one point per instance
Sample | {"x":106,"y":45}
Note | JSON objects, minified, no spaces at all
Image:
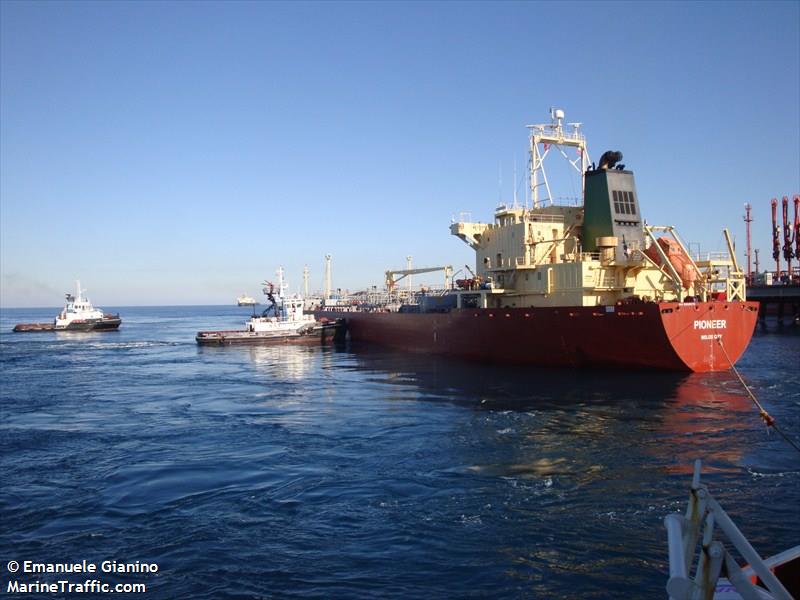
{"x":623,"y":203}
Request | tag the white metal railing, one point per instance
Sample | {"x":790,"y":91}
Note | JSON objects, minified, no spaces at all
{"x":453,"y":221}
{"x":711,"y":256}
{"x":566,"y":201}
{"x":538,"y":217}
{"x":683,"y":534}
{"x":553,"y":134}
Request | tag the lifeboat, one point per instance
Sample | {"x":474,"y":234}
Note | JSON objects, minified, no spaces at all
{"x":678,"y":259}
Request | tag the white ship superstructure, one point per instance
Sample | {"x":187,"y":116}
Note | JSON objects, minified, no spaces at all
{"x":77,"y":310}
{"x":284,"y":314}
{"x":592,"y":253}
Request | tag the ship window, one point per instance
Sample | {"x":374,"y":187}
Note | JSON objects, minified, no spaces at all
{"x":631,"y":203}
{"x":499,"y":259}
{"x":623,"y":203}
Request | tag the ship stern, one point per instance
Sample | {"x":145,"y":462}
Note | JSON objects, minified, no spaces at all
{"x":709,"y":336}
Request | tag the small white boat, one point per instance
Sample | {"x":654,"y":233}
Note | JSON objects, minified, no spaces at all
{"x":717,"y":574}
{"x":283,"y":321}
{"x":77,"y":315}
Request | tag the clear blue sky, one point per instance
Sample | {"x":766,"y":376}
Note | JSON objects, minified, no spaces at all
{"x":177,"y":153}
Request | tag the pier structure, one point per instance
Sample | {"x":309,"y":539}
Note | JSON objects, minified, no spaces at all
{"x":782,"y":301}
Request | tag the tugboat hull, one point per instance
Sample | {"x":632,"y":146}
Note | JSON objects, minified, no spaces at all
{"x":319,"y":334}
{"x":692,"y":336}
{"x":106,"y":324}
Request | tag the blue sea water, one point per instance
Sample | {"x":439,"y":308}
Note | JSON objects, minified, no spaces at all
{"x":347,"y":472}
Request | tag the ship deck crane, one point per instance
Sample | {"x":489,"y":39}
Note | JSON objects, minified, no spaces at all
{"x":391,"y":281}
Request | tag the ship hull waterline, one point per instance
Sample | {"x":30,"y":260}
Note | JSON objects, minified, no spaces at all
{"x":692,"y":336}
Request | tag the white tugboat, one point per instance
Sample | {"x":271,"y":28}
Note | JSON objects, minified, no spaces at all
{"x":77,"y":315}
{"x":283,"y":321}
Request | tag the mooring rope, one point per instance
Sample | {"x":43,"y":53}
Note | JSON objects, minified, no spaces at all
{"x":768,"y":418}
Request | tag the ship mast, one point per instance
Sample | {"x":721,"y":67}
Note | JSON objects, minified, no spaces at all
{"x":281,"y":283}
{"x":546,"y":136}
{"x":327,"y":276}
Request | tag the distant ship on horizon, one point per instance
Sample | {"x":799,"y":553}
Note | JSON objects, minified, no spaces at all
{"x":245,"y":300}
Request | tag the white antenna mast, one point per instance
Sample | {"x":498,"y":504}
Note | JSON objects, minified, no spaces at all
{"x":542,"y":138}
{"x":281,"y":285}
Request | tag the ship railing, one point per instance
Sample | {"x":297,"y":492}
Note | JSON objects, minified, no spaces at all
{"x":524,"y":261}
{"x":711,"y":257}
{"x":436,"y":291}
{"x":466,"y":218}
{"x":537,"y":217}
{"x":570,"y":201}
{"x":554,"y":134}
{"x":695,"y":533}
{"x":274,"y":319}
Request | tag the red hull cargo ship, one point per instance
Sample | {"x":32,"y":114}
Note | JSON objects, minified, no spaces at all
{"x":586,"y":284}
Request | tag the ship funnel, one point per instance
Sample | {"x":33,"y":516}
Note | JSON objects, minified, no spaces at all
{"x":611,"y":210}
{"x":610,"y":159}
